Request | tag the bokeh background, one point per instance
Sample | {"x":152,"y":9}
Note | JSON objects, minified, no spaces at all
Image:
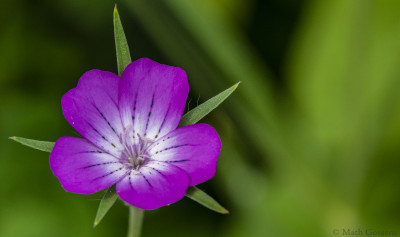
{"x":310,"y":138}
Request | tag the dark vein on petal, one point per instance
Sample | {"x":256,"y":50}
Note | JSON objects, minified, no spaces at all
{"x":112,"y":99}
{"x":130,"y":179}
{"x":93,"y":151}
{"x":105,"y":119}
{"x":146,"y":180}
{"x":135,"y":103}
{"x":104,"y":163}
{"x":108,"y":174}
{"x":168,"y":165}
{"x":158,"y":171}
{"x":103,"y":137}
{"x":158,"y":143}
{"x":175,"y":161}
{"x":122,"y":176}
{"x":165,"y":118}
{"x":174,"y":147}
{"x":149,"y":114}
{"x":166,"y":114}
{"x":134,"y":110}
{"x":160,"y":162}
{"x":94,"y":129}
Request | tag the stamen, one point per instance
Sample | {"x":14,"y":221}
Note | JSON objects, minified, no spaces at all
{"x":134,"y":153}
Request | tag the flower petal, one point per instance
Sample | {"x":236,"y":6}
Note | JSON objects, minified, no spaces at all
{"x":155,"y":185}
{"x":91,"y":108}
{"x":152,"y":97}
{"x":82,"y":167}
{"x":193,"y":148}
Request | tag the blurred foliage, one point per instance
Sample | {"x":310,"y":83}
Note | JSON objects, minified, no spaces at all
{"x":310,"y":139}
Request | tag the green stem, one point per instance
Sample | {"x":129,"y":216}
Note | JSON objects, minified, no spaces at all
{"x":135,"y":221}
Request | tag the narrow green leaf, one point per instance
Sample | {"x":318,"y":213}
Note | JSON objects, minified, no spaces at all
{"x":204,"y":199}
{"x":39,"y":145}
{"x":108,"y":200}
{"x":194,"y":115}
{"x":123,"y":59}
{"x":121,"y":45}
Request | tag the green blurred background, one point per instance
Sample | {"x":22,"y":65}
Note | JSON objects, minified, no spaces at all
{"x":310,"y":138}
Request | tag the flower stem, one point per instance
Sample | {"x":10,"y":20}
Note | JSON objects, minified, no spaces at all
{"x":135,"y":221}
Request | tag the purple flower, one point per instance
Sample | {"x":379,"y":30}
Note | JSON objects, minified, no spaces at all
{"x":130,"y":136}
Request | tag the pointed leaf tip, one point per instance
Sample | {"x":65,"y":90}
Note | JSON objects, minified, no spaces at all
{"x":108,"y":200}
{"x":39,"y":145}
{"x":121,"y":44}
{"x":196,"y":114}
{"x":204,"y":199}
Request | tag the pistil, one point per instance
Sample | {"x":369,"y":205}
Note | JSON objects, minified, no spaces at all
{"x":135,"y":150}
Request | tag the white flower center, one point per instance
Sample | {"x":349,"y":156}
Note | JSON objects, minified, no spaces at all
{"x":135,"y":153}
